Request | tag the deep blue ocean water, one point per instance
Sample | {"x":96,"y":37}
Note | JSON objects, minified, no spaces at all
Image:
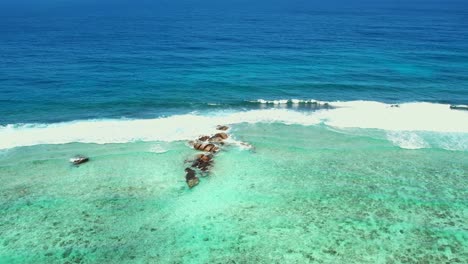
{"x":91,"y":65}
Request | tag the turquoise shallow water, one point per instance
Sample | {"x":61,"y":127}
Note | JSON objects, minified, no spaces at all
{"x":301,"y":195}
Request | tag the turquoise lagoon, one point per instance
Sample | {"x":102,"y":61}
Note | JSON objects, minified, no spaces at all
{"x":302,"y":194}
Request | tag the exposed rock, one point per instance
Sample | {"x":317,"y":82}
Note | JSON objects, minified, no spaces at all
{"x":214,"y":149}
{"x":204,"y":138}
{"x":203,"y":162}
{"x":222,"y":135}
{"x":191,"y":179}
{"x":205,"y":147}
{"x":197,"y":145}
{"x":79,"y":159}
{"x":204,"y":157}
{"x":219,"y":137}
{"x":216,"y":139}
{"x":209,"y":147}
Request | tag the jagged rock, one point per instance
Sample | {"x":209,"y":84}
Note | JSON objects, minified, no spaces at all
{"x":191,"y":179}
{"x":197,"y":145}
{"x":216,"y":139}
{"x":205,"y":158}
{"x":211,"y":148}
{"x":204,"y":138}
{"x":208,"y":147}
{"x":219,"y":137}
{"x":205,"y":147}
{"x":77,"y":160}
{"x":222,"y":135}
{"x":203,"y":162}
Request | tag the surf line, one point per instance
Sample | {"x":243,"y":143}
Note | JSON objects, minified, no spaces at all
{"x":211,"y":145}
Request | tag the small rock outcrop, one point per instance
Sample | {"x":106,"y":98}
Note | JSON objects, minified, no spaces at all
{"x":219,"y":137}
{"x":222,"y":128}
{"x":203,"y":138}
{"x":79,"y":159}
{"x":204,"y":162}
{"x":205,"y":147}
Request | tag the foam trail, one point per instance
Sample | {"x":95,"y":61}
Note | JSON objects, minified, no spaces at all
{"x":437,"y":118}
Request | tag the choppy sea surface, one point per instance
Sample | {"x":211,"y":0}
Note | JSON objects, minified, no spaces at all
{"x":343,"y":147}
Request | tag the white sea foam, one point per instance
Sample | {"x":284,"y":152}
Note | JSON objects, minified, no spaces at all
{"x":158,"y":148}
{"x":405,"y":117}
{"x":407,"y":140}
{"x":173,"y":128}
{"x":286,"y":101}
{"x":355,"y":114}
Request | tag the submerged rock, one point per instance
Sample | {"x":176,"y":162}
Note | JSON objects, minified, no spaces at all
{"x":203,"y":162}
{"x":205,"y":158}
{"x":191,"y":179}
{"x":79,"y":159}
{"x":318,"y":106}
{"x":223,"y":128}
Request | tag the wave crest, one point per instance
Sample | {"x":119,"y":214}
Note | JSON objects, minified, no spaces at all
{"x":355,"y":114}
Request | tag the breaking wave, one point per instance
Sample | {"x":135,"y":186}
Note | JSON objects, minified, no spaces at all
{"x":401,"y":122}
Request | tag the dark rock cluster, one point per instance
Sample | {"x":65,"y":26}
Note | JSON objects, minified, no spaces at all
{"x":204,"y":162}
